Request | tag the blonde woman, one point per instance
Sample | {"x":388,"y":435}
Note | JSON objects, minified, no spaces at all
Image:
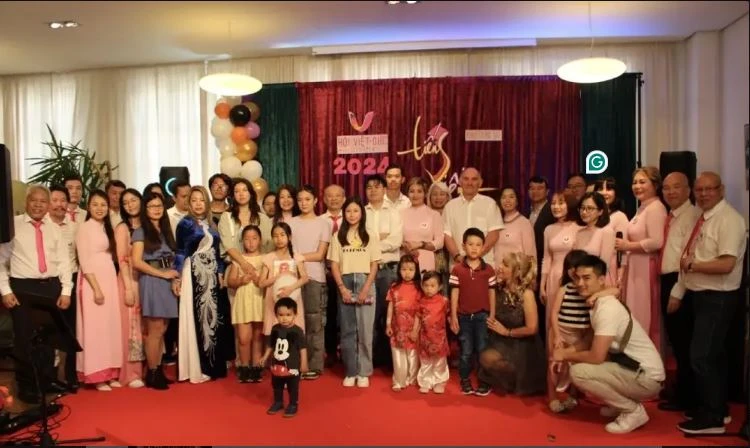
{"x":514,"y":360}
{"x":205,"y":332}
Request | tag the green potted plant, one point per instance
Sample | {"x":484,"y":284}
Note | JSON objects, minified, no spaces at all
{"x":66,"y":159}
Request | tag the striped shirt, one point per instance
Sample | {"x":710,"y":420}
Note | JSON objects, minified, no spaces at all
{"x":574,"y":313}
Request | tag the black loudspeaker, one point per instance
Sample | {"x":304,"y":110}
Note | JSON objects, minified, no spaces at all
{"x":682,"y":161}
{"x":6,"y":197}
{"x":168,"y":175}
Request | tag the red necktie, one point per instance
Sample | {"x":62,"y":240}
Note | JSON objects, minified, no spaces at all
{"x":40,"y":246}
{"x":335,"y":223}
{"x":689,"y":249}
{"x":666,"y":235}
{"x":72,"y":215}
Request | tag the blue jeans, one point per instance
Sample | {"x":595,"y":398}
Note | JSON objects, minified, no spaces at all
{"x":473,"y":339}
{"x":356,"y":322}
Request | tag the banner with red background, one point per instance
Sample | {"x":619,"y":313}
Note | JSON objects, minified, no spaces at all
{"x":426,"y":122}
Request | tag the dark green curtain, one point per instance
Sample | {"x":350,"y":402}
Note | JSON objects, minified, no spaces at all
{"x":608,"y":124}
{"x":278,"y":144}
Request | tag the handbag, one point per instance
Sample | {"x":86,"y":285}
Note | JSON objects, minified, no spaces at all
{"x":620,"y":357}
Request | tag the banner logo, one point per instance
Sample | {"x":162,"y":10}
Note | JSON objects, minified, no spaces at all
{"x":365,"y":124}
{"x":432,"y":145}
{"x":596,"y":162}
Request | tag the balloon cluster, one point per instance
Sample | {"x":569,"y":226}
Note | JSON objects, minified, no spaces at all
{"x":235,"y":127}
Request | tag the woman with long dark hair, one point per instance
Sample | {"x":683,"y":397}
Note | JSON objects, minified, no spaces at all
{"x":131,"y":372}
{"x":205,"y":332}
{"x":244,"y":212}
{"x":595,"y":236}
{"x":286,"y":206}
{"x":618,"y":220}
{"x":152,"y":256}
{"x":98,"y":318}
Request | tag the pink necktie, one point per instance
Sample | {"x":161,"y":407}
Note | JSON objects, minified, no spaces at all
{"x":40,"y":246}
{"x":335,"y":223}
{"x":72,"y":216}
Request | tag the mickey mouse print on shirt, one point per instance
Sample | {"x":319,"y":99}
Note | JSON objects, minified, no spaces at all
{"x":286,"y":344}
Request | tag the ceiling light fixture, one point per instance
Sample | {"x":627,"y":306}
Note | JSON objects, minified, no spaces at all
{"x":63,"y":24}
{"x":228,"y":84}
{"x":422,"y":46}
{"x":591,"y":70}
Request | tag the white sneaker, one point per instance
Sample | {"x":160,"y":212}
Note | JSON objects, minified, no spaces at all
{"x":349,"y":381}
{"x":363,"y":381}
{"x":609,"y":412}
{"x":135,"y":384}
{"x":628,"y":421}
{"x":103,"y":387}
{"x":115,"y":383}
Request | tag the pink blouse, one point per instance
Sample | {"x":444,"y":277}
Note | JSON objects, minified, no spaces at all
{"x":423,"y":224}
{"x":601,"y":243}
{"x":517,"y":236}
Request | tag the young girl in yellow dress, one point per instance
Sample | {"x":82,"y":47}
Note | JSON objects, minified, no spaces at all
{"x":247,"y":307}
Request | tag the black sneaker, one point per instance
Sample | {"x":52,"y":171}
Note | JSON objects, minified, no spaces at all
{"x":290,"y":411}
{"x":466,"y":387}
{"x":692,"y":414}
{"x":275,"y":407}
{"x":701,"y":426}
{"x":483,"y":390}
{"x":256,"y":374}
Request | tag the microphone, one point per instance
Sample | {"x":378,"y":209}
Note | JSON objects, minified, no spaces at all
{"x":619,"y":253}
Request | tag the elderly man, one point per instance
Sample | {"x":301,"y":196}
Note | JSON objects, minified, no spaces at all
{"x":333,"y":197}
{"x":471,"y":209}
{"x":34,"y":274}
{"x":710,"y":275}
{"x":622,"y":367}
{"x":678,"y":320}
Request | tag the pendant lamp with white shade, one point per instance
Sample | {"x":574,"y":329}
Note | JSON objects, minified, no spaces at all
{"x":228,"y":84}
{"x":591,"y":70}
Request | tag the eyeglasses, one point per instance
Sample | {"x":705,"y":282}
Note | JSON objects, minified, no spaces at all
{"x":587,"y":209}
{"x":707,"y":189}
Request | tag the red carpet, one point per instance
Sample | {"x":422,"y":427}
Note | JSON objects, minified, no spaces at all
{"x":228,"y":413}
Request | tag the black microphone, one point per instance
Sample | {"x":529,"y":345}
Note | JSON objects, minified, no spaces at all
{"x":619,"y":253}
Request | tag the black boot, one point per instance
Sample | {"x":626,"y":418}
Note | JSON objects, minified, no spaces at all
{"x":155,"y":379}
{"x":161,"y":369}
{"x":258,"y":374}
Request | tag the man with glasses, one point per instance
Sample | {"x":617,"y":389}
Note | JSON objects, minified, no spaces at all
{"x":710,"y":275}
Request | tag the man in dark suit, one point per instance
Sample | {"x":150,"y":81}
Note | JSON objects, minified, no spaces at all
{"x":540,"y":215}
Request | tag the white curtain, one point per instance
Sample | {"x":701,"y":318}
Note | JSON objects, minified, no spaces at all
{"x":143,"y":118}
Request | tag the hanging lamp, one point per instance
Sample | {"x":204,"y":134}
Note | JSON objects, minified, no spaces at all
{"x":228,"y":84}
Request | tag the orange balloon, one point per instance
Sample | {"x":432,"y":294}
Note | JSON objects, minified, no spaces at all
{"x":261,"y":187}
{"x":222,"y":110}
{"x":239,"y":135}
{"x":254,"y":110}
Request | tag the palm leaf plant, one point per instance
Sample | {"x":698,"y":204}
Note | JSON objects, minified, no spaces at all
{"x":66,"y":159}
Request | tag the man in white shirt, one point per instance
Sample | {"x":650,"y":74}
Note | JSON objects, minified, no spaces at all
{"x":34,"y":275}
{"x":710,"y":273}
{"x":394,"y":180}
{"x":59,"y":198}
{"x":74,"y":185}
{"x":471,"y":209}
{"x":383,"y":221}
{"x":677,"y":319}
{"x":333,"y":197}
{"x":114,"y":189}
{"x":622,"y":367}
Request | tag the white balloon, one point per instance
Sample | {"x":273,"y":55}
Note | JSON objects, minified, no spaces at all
{"x":231,"y":166}
{"x":227,"y":148}
{"x":233,"y":100}
{"x":221,"y":100}
{"x":251,"y":170}
{"x":221,"y":128}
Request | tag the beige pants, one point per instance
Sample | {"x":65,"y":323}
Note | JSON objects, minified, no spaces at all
{"x":405,"y":367}
{"x":432,"y":371}
{"x":618,"y":387}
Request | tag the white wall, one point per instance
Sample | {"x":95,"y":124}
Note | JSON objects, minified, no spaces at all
{"x":735,"y":111}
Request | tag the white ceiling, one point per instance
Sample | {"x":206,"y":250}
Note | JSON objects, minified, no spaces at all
{"x":142,"y":33}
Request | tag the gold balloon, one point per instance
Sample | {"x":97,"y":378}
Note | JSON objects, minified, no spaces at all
{"x":243,"y":156}
{"x":249,"y":150}
{"x":254,"y":110}
{"x":261,"y":187}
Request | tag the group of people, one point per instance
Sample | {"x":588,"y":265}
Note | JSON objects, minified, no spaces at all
{"x":226,"y":277}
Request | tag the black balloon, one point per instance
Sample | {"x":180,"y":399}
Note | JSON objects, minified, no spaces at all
{"x":239,"y":115}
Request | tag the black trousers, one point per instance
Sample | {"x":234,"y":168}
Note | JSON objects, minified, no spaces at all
{"x":679,"y":328}
{"x":332,"y":324}
{"x":38,"y":309}
{"x":292,"y":385}
{"x":170,"y":337}
{"x":71,"y":377}
{"x":714,"y":312}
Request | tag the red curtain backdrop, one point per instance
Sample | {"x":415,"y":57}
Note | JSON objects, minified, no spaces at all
{"x":540,"y":119}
